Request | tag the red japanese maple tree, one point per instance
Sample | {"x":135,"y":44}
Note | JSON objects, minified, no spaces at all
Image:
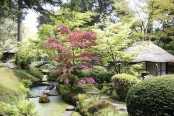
{"x":74,"y":51}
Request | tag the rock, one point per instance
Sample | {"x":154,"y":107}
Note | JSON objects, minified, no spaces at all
{"x":70,"y":108}
{"x":44,"y":99}
{"x":67,"y":113}
{"x":50,"y":87}
{"x":46,"y":91}
{"x":120,"y":107}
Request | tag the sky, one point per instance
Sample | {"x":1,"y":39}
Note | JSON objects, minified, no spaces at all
{"x":30,"y":21}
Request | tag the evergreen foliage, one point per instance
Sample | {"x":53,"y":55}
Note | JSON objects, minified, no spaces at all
{"x":122,"y":83}
{"x":152,"y":97}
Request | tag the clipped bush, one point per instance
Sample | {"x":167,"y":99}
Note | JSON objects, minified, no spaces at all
{"x":122,"y":83}
{"x":152,"y":97}
{"x":104,"y":76}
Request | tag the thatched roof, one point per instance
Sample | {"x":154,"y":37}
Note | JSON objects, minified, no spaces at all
{"x":12,"y":50}
{"x":148,"y":51}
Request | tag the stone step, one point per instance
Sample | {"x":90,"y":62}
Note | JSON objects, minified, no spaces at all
{"x":70,"y":108}
{"x":67,"y":113}
{"x":120,"y":107}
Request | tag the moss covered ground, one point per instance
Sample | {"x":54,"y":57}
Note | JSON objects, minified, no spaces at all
{"x":9,"y":84}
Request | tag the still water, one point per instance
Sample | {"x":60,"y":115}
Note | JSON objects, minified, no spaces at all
{"x":56,"y":107}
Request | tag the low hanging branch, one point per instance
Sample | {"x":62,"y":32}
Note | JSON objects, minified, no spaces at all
{"x":74,"y":51}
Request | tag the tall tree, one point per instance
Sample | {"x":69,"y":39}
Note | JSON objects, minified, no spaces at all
{"x":21,"y":5}
{"x":100,"y":6}
{"x":66,"y":16}
{"x":7,"y":33}
{"x":155,"y":22}
{"x":113,"y":40}
{"x":151,"y":13}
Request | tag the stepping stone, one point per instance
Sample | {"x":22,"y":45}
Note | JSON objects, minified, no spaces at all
{"x":104,"y":97}
{"x":121,"y":107}
{"x":70,"y":108}
{"x":9,"y":65}
{"x":93,"y":92}
{"x":46,"y":91}
{"x":67,"y":113}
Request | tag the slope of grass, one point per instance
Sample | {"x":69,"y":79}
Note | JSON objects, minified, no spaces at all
{"x":9,"y":84}
{"x":23,"y":74}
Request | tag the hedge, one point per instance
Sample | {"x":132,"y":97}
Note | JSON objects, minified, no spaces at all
{"x":122,"y":83}
{"x":152,"y":97}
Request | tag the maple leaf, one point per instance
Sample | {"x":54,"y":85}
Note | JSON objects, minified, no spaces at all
{"x":76,"y":51}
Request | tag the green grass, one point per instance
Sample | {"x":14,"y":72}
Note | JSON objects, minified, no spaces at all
{"x":23,"y":74}
{"x":9,"y":84}
{"x":75,"y":114}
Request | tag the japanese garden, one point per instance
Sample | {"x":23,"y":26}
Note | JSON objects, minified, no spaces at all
{"x":87,"y":58}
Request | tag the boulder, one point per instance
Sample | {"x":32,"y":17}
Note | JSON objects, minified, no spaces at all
{"x":44,"y":99}
{"x":70,"y":108}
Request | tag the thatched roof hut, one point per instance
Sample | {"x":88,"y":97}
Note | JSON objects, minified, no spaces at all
{"x":155,"y":58}
{"x":148,"y":51}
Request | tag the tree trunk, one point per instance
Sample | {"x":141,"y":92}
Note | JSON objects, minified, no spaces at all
{"x":102,"y":6}
{"x":19,"y":30}
{"x":19,"y":21}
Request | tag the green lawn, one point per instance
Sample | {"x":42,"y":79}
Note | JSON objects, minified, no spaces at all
{"x":9,"y":84}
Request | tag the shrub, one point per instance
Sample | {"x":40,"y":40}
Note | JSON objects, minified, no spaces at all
{"x":1,"y":55}
{"x":122,"y":83}
{"x":54,"y":75}
{"x":26,"y":82}
{"x":64,"y":88}
{"x":152,"y":97}
{"x":27,"y":108}
{"x":20,"y":108}
{"x":70,"y":94}
{"x":24,"y":74}
{"x":71,"y":98}
{"x":104,"y":76}
{"x":93,"y":72}
{"x":67,"y":79}
{"x":22,"y":59}
{"x":35,"y":72}
{"x":107,"y":89}
{"x":108,"y":111}
{"x":1,"y":64}
{"x":81,"y":97}
{"x":98,"y":106}
{"x":86,"y":80}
